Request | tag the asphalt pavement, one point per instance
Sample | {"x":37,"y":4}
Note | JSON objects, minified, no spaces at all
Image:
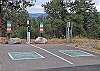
{"x":78,"y":68}
{"x":53,"y":61}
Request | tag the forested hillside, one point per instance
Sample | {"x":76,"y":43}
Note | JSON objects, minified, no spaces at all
{"x":82,"y":14}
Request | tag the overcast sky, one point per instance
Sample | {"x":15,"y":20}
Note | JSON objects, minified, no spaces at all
{"x":38,"y":9}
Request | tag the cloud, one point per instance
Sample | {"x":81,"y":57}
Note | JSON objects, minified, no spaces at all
{"x":98,"y":8}
{"x":37,"y":8}
{"x":97,"y":4}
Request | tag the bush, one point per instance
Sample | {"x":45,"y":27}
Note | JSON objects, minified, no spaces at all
{"x":34,"y":33}
{"x":20,"y":32}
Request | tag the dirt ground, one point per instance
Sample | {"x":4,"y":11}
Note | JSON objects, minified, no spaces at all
{"x":3,"y":40}
{"x":89,"y":44}
{"x":57,"y":41}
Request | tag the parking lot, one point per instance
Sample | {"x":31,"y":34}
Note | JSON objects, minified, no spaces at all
{"x":53,"y":57}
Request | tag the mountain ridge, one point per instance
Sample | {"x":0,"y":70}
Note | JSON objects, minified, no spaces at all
{"x":36,"y":15}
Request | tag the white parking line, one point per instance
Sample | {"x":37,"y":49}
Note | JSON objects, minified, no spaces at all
{"x":89,"y":50}
{"x":53,"y":54}
{"x":39,"y":55}
{"x":10,"y":56}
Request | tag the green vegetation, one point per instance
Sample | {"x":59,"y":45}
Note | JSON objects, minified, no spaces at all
{"x":14,"y":12}
{"x":81,"y":13}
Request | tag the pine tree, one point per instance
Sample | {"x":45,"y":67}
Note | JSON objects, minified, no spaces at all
{"x":11,"y":9}
{"x":58,"y":15}
{"x":85,"y":18}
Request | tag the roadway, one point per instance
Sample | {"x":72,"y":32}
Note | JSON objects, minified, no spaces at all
{"x":53,"y":61}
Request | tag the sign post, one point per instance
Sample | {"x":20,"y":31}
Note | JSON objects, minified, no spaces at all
{"x":41,"y":29}
{"x":0,"y":23}
{"x":9,"y":30}
{"x":69,"y":32}
{"x":28,"y":32}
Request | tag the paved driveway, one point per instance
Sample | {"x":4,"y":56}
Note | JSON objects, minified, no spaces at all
{"x":53,"y":61}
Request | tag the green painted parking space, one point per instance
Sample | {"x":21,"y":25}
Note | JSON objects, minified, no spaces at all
{"x":75,"y":53}
{"x":24,"y":55}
